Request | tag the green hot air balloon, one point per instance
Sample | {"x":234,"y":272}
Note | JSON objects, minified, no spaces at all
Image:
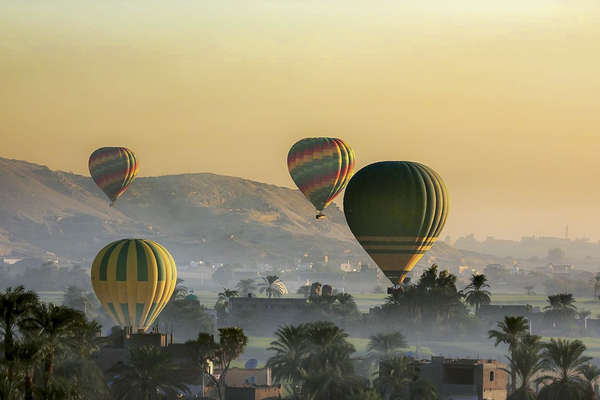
{"x":396,"y":210}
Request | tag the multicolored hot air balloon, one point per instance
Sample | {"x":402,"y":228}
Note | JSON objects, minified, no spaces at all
{"x":134,"y":279}
{"x":321,"y":168}
{"x":396,"y":210}
{"x":113,"y":169}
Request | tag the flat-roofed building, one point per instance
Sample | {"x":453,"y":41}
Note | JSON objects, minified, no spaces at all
{"x":466,"y":379}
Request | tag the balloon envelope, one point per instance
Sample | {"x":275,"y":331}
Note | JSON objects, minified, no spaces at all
{"x":321,"y":168}
{"x":396,"y":210}
{"x":134,"y":279}
{"x":113,"y":169}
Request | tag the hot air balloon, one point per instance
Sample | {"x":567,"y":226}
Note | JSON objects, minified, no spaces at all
{"x":321,"y":168}
{"x":396,"y":210}
{"x":134,"y":279}
{"x":113,"y":169}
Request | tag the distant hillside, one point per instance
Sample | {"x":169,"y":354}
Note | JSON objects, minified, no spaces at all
{"x":196,"y":216}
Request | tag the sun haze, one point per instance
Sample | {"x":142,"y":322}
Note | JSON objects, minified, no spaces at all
{"x":501,"y":100}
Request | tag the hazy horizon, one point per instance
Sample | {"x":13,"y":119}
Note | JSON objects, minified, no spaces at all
{"x":500,"y":99}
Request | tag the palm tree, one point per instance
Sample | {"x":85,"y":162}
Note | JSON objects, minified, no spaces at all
{"x":291,"y":351}
{"x":565,"y":360}
{"x":224,"y":300}
{"x":591,"y":373}
{"x":55,"y":326}
{"x":15,"y":305}
{"x":345,"y":305}
{"x":272,"y":286}
{"x":9,"y":388}
{"x":512,"y":330}
{"x":82,"y":379}
{"x":228,"y":294}
{"x":395,"y":376}
{"x":330,"y":369}
{"x":246,"y":287}
{"x":560,"y":308}
{"x":422,"y":390}
{"x":321,"y":385}
{"x":232,"y":342}
{"x":384,"y":345}
{"x":148,"y":375}
{"x":526,"y":362}
{"x":475,"y":294}
{"x":29,"y":354}
{"x":583,"y":314}
{"x":315,"y":359}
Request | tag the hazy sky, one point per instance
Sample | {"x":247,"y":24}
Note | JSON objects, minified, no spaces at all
{"x":500,"y":97}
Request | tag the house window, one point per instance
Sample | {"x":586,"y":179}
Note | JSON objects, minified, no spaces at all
{"x":491,"y":376}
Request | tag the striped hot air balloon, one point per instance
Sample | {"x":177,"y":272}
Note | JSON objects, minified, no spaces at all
{"x":320,"y":167}
{"x":396,"y":210}
{"x":134,"y":279}
{"x":113,"y":169}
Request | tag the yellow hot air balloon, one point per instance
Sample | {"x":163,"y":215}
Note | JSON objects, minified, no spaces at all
{"x":134,"y":279}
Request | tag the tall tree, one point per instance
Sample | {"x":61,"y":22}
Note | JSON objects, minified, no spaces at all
{"x":330,"y":369}
{"x":315,"y":359}
{"x":148,"y":375}
{"x":29,"y":353}
{"x":476,"y":293}
{"x":434,"y":300}
{"x":291,"y":351}
{"x":511,"y":331}
{"x":564,"y":359}
{"x":272,"y":286}
{"x":55,"y":326}
{"x":15,"y":305}
{"x":395,"y":377}
{"x":561,"y":309}
{"x":591,"y":373}
{"x":384,"y":345}
{"x":223,"y":304}
{"x":526,"y":362}
{"x":232,"y":342}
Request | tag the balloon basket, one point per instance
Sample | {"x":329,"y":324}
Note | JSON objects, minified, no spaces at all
{"x":320,"y":216}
